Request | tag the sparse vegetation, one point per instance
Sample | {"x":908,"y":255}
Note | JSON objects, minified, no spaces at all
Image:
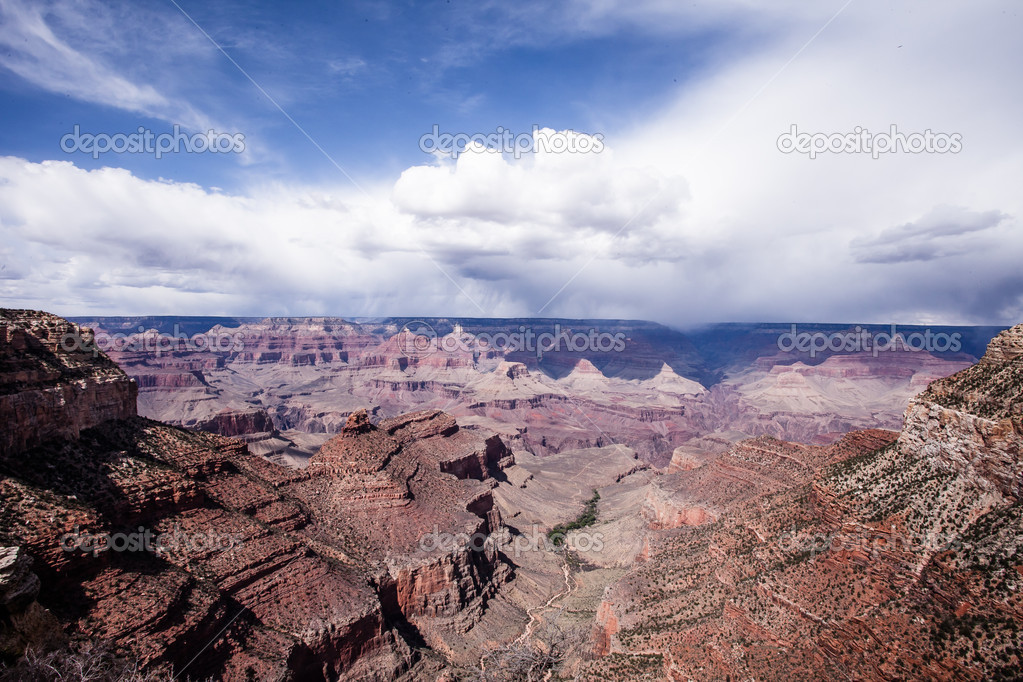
{"x":534,"y":658}
{"x":587,"y":518}
{"x":85,"y":661}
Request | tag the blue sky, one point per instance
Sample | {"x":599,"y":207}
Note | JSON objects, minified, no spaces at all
{"x":690,"y":212}
{"x":365,"y":80}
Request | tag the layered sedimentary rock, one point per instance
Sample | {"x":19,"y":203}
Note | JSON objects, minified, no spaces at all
{"x":399,"y":493}
{"x":883,"y":556}
{"x":238,"y":423}
{"x":661,"y":511}
{"x":182,"y":548}
{"x":1004,"y":348}
{"x":631,"y":382}
{"x":972,"y":422}
{"x":52,"y":384}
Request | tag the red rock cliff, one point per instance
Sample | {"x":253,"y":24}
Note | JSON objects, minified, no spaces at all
{"x":51,"y":384}
{"x":261,"y":572}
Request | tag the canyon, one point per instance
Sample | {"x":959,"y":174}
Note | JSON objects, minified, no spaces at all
{"x":235,"y":567}
{"x":545,"y":386}
{"x":885,"y":555}
{"x":336,"y":501}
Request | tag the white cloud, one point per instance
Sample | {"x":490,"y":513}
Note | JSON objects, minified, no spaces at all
{"x":38,"y":54}
{"x":349,"y":66}
{"x":566,"y":193}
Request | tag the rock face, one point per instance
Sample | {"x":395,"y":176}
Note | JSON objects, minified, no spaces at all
{"x":882,"y":556}
{"x":404,"y":480}
{"x":641,"y":384}
{"x":23,"y":622}
{"x":50,"y":385}
{"x":174,"y":545}
{"x":972,"y":422}
{"x":238,"y":423}
{"x":1005,"y":347}
{"x":663,"y":512}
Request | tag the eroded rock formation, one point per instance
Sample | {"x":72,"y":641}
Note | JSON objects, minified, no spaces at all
{"x":883,"y":556}
{"x":655,"y":389}
{"x":53,"y":386}
{"x":176,"y":545}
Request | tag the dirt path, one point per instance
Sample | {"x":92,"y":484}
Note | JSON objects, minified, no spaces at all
{"x":528,"y":632}
{"x":533,"y":619}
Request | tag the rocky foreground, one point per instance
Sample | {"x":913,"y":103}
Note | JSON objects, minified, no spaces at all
{"x":184,"y":550}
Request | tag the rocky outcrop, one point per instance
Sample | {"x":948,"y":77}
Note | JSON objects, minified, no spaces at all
{"x":442,"y":566}
{"x":517,"y":370}
{"x":972,"y":422}
{"x":183,"y":548}
{"x":238,"y":423}
{"x":1007,"y":346}
{"x":53,"y":385}
{"x":23,"y":622}
{"x":661,"y":510}
{"x":461,"y":453}
{"x":683,"y":460}
{"x":986,"y":450}
{"x":445,"y":594}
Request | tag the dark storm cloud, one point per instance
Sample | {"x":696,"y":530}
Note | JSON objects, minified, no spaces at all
{"x":933,"y":236}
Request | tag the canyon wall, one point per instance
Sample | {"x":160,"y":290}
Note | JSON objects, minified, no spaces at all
{"x":185,"y":551}
{"x":885,"y":555}
{"x":48,"y":391}
{"x":652,"y":388}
